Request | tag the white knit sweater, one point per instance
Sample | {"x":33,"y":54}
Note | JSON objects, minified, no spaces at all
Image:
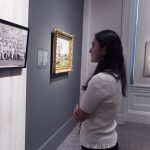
{"x":101,"y":100}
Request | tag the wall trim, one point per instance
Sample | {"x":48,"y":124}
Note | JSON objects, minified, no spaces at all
{"x":138,"y":105}
{"x":138,"y":117}
{"x":140,"y":88}
{"x":69,"y":121}
{"x":85,"y":42}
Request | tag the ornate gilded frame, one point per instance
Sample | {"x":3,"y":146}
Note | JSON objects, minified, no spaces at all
{"x":62,"y":52}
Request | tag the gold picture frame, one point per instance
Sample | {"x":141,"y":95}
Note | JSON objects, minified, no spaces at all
{"x":62,"y":52}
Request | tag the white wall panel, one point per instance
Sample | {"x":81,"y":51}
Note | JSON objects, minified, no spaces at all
{"x":139,"y":100}
{"x":13,"y":86}
{"x":98,"y":15}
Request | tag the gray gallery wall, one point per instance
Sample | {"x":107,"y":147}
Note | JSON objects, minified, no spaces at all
{"x":50,"y":100}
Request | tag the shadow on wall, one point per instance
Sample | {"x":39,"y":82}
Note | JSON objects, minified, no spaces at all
{"x":57,"y":77}
{"x":10,"y":72}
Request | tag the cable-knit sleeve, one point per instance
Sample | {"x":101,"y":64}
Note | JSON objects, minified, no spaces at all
{"x":94,"y":94}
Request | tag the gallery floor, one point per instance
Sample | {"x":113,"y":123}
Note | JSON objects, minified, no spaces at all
{"x":132,"y":136}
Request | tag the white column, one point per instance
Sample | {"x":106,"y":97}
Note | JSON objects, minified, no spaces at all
{"x":85,"y":44}
{"x":13,"y":86}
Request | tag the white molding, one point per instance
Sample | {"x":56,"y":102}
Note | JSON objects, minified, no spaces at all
{"x":125,"y":27}
{"x":138,"y":109}
{"x":139,"y":102}
{"x":125,"y":38}
{"x":140,"y":88}
{"x":5,"y":127}
{"x":85,"y":42}
{"x":138,"y":117}
{"x":17,"y":109}
{"x":127,"y":33}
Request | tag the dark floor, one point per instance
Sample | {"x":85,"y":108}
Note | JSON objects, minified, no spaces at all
{"x":132,"y":136}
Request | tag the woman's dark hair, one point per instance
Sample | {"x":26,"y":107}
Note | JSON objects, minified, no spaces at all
{"x":113,"y":61}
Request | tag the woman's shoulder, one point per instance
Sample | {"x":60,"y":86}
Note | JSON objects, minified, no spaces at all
{"x":98,"y":79}
{"x":103,"y":76}
{"x":103,"y":79}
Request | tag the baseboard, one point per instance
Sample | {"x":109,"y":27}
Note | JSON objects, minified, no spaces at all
{"x":138,"y":117}
{"x":55,"y":140}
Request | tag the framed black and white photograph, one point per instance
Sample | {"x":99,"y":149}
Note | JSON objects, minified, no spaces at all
{"x":13,"y":45}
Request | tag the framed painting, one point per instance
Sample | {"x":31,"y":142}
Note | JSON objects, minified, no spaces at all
{"x":13,"y":45}
{"x":62,"y":52}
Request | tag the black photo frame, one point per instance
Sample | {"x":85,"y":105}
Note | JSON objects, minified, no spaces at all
{"x":13,"y":45}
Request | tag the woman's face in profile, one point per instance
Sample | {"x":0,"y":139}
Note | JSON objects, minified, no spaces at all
{"x":97,"y":52}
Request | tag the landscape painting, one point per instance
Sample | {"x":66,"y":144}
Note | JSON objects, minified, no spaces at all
{"x":62,"y":52}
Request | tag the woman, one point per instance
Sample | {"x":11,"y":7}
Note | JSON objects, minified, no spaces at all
{"x":103,"y":91}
